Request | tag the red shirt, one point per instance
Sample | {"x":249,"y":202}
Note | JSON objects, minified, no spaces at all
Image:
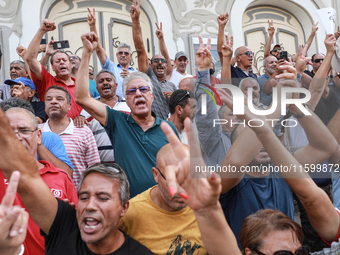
{"x":61,"y":186}
{"x":47,"y":80}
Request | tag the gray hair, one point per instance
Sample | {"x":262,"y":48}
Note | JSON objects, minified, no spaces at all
{"x":16,"y":102}
{"x":124,"y":45}
{"x":136,"y":75}
{"x":22,"y":63}
{"x":252,"y":80}
{"x":114,"y":172}
{"x":237,"y":52}
{"x":105,"y":71}
{"x":22,"y":110}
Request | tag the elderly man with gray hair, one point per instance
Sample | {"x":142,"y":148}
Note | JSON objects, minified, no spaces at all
{"x":136,"y":137}
{"x":120,"y":70}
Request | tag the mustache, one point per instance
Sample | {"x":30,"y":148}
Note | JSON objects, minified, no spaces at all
{"x":142,"y":99}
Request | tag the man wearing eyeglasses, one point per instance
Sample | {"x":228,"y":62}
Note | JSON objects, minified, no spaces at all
{"x":162,"y":89}
{"x":124,"y":55}
{"x":25,"y":126}
{"x":173,"y":228}
{"x":136,"y":137}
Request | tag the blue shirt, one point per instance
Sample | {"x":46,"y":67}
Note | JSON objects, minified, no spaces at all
{"x":135,"y":150}
{"x":116,"y":70}
{"x":253,"y":194}
{"x":93,"y":89}
{"x":266,"y":99}
{"x":55,"y":145}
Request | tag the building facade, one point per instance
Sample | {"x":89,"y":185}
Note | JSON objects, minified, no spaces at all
{"x":183,"y":21}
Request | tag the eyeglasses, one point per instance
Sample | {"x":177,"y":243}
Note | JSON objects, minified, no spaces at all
{"x":25,"y":133}
{"x":275,"y":50}
{"x":247,"y":53}
{"x":184,"y":96}
{"x":318,"y":60}
{"x":303,"y":250}
{"x":124,"y":52}
{"x":73,"y":57}
{"x":156,"y":60}
{"x":133,"y":91}
{"x":90,"y":73}
{"x":161,"y":173}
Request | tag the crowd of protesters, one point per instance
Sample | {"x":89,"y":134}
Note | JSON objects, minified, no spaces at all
{"x":106,"y":163}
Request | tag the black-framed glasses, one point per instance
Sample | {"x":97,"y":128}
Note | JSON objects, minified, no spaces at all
{"x":247,"y":53}
{"x":275,"y":50}
{"x":303,"y":250}
{"x":318,"y":60}
{"x":25,"y":133}
{"x":156,"y":60}
{"x":161,"y":173}
{"x":133,"y":91}
{"x":184,"y":96}
{"x":124,"y":52}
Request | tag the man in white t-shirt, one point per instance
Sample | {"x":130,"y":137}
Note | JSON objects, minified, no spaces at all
{"x":181,"y":62}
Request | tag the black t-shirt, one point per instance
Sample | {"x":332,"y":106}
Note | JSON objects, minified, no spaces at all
{"x":64,"y":237}
{"x":39,"y":109}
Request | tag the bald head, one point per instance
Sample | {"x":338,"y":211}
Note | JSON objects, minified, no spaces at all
{"x":187,"y":84}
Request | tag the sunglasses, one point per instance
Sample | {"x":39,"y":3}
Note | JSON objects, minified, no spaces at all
{"x":247,"y":53}
{"x":184,"y":96}
{"x":161,"y":173}
{"x":275,"y":50}
{"x":133,"y":91}
{"x":318,"y":60}
{"x":303,"y":250}
{"x":124,"y":52}
{"x":156,"y":60}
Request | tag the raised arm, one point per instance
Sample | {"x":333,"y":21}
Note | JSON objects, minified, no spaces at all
{"x":91,"y":20}
{"x":222,"y":20}
{"x":320,"y":210}
{"x":33,"y":48}
{"x":82,"y":96}
{"x":143,"y":62}
{"x":164,"y":50}
{"x":271,"y":31}
{"x":227,"y":54}
{"x":319,"y":85}
{"x":49,"y":51}
{"x":312,"y":34}
{"x":34,"y":193}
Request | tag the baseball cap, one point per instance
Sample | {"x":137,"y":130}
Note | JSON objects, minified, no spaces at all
{"x":274,"y":45}
{"x":181,"y":54}
{"x":25,"y":81}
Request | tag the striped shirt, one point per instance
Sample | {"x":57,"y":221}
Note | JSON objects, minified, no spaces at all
{"x":105,"y":149}
{"x":80,"y":147}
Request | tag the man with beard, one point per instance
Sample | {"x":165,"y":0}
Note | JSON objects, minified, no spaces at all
{"x":270,"y":66}
{"x":173,"y":229}
{"x":106,"y":85}
{"x":179,"y":105}
{"x":248,"y":83}
{"x":162,"y":89}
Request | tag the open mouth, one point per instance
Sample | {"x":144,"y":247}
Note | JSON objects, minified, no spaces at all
{"x":106,"y":88}
{"x":140,"y":101}
{"x":90,"y":224}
